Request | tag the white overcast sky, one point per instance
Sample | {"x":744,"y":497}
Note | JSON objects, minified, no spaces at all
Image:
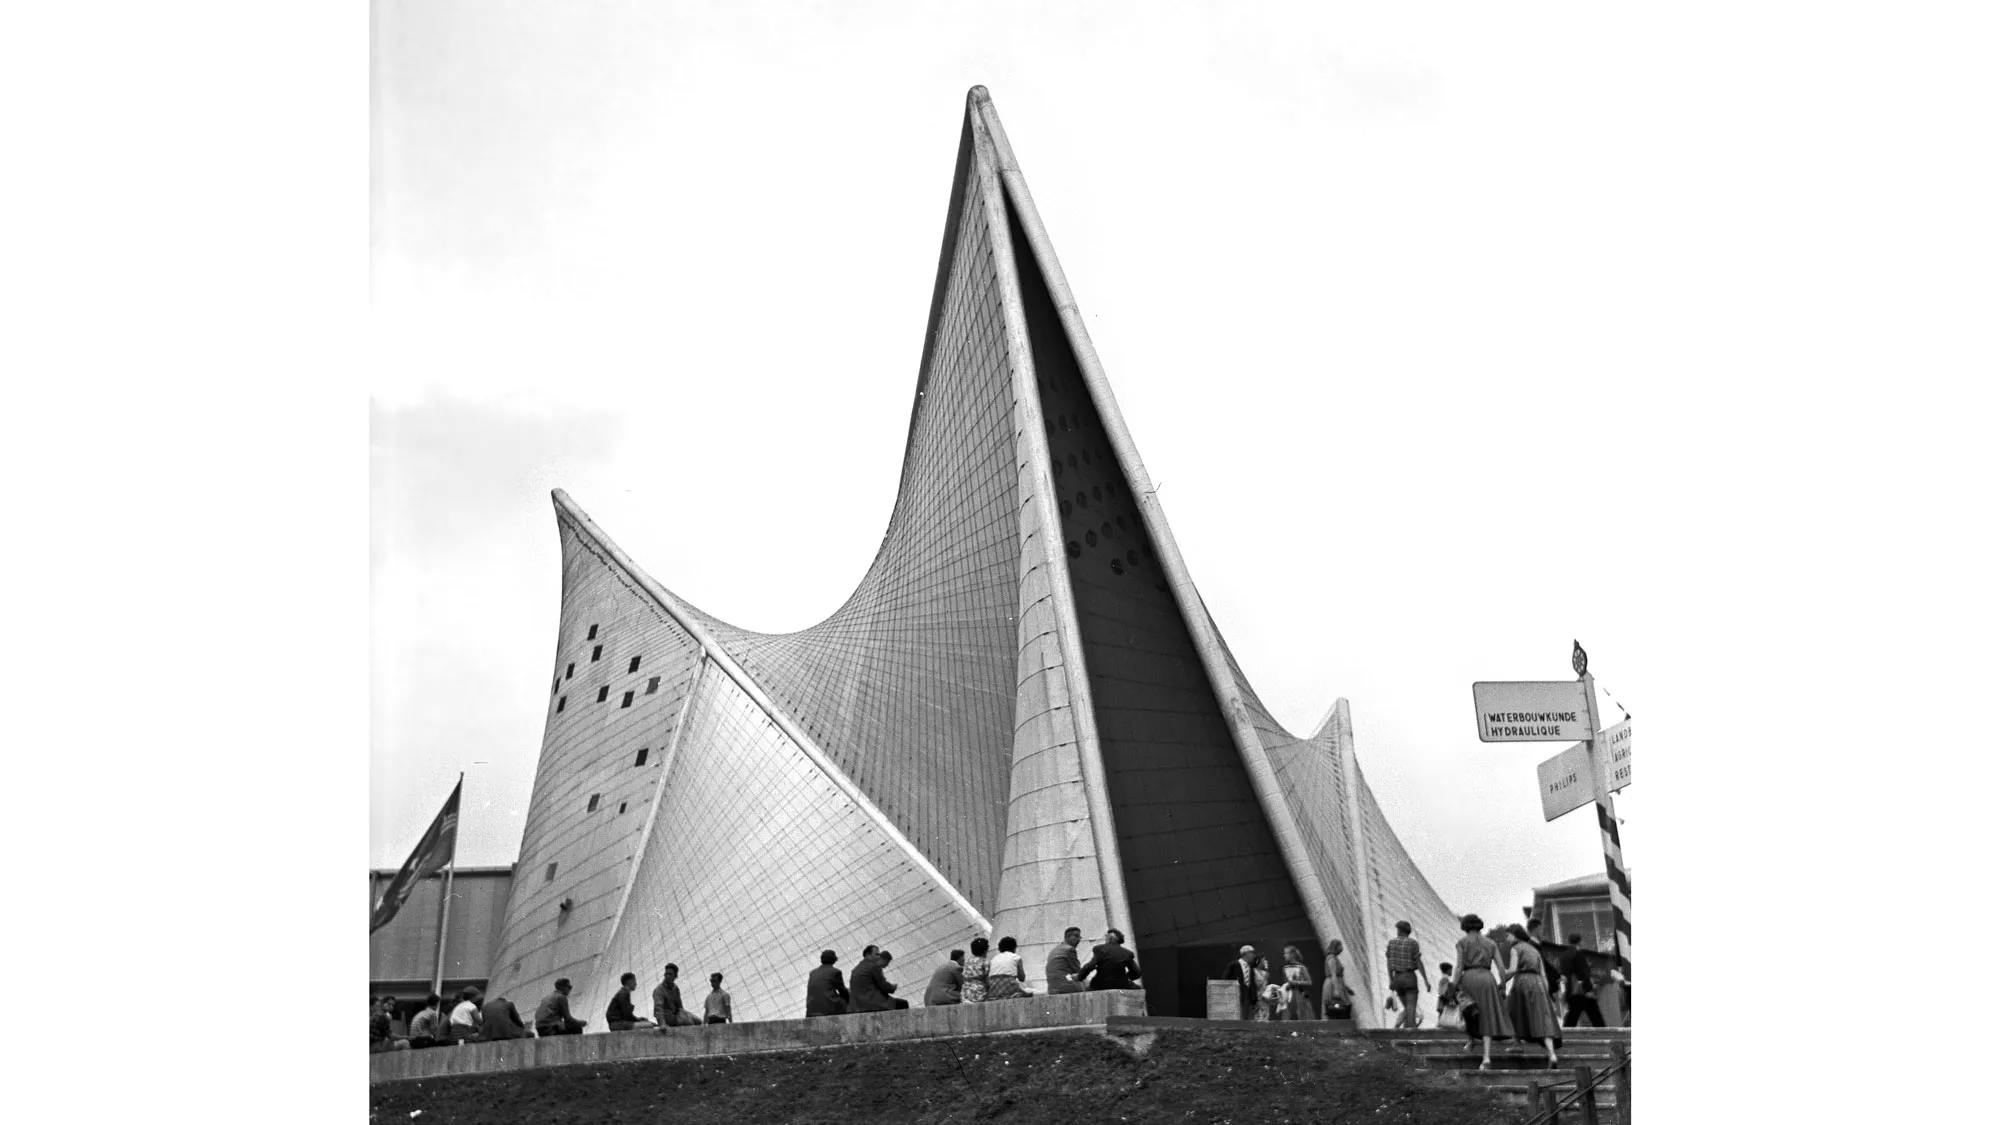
{"x":1431,"y":323}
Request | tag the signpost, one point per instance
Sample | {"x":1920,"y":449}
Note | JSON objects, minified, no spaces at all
{"x":1597,"y":766}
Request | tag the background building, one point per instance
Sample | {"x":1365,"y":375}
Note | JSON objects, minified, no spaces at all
{"x":1022,"y":719}
{"x":403,"y":954}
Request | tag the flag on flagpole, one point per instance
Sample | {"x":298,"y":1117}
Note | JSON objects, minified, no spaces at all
{"x":437,"y":848}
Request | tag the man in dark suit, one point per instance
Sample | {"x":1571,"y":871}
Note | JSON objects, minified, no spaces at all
{"x":498,"y":1019}
{"x":869,"y":989}
{"x":1062,"y":966}
{"x":618,"y":1015}
{"x":1581,"y":989}
{"x":1113,"y":964}
{"x":826,"y":993}
{"x":1243,"y":971}
{"x":552,"y":1014}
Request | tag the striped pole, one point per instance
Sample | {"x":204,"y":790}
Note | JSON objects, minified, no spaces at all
{"x":1607,"y":823}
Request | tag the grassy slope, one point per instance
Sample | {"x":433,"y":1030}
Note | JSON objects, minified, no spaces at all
{"x":1188,"y":1076}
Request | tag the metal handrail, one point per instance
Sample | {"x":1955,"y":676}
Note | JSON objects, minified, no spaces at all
{"x":1583,"y":1089}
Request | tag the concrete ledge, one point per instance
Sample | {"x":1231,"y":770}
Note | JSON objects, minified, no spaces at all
{"x":1079,"y":1010}
{"x":1134,"y":1025}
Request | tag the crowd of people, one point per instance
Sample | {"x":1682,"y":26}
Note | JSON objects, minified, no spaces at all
{"x":1515,"y":987}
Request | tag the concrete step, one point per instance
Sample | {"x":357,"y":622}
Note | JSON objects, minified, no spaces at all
{"x":1570,"y":1061}
{"x":1429,"y":1047}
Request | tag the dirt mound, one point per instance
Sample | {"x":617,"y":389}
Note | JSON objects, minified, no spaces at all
{"x":1077,"y":1077}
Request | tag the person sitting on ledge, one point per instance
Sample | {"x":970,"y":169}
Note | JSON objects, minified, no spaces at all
{"x":1062,"y":964}
{"x":499,"y":1019}
{"x":424,"y":1029}
{"x":947,"y":982}
{"x":826,"y":993}
{"x":716,"y":1007}
{"x":667,"y":1010}
{"x":464,"y":1025}
{"x":1005,"y":974}
{"x":380,"y":1037}
{"x":618,"y":1015}
{"x":552,"y":1014}
{"x":1114,"y":965}
{"x":868,"y":989}
{"x":882,"y":958}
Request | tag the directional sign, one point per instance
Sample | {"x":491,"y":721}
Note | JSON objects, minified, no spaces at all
{"x":1565,"y":778}
{"x":1531,"y":711}
{"x":1565,"y":782}
{"x":1614,"y":756}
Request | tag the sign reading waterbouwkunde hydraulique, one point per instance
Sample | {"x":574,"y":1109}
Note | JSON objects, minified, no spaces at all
{"x":1531,"y":711}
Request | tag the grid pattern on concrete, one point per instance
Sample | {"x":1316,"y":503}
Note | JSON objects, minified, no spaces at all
{"x":591,"y":749}
{"x":756,"y":862}
{"x":1402,"y":892}
{"x":909,"y":686}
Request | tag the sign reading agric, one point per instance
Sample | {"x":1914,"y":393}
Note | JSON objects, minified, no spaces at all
{"x":1531,"y":710}
{"x":1614,"y":755}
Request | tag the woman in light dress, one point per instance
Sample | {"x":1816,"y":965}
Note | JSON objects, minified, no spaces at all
{"x":1298,"y":986}
{"x":973,"y":990}
{"x":1003,"y":974}
{"x":1528,"y":1006}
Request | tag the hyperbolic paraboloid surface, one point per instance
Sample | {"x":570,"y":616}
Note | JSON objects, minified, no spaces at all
{"x":1022,"y":719}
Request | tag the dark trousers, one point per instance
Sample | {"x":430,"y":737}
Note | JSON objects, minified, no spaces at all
{"x":717,"y":1019}
{"x":567,"y":1027}
{"x":1580,"y":1006}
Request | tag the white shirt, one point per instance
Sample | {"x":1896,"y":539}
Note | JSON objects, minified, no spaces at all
{"x":1004,"y":965}
{"x":465,"y":1015}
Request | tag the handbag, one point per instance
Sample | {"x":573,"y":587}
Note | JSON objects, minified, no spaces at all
{"x":1470,"y":1012}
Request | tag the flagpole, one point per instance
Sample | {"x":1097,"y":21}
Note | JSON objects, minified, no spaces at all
{"x":444,"y":904}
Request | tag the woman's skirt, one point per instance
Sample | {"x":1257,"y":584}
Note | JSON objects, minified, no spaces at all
{"x":1533,"y":1016}
{"x":1478,"y":987}
{"x":1005,"y":988}
{"x":1298,"y":1003}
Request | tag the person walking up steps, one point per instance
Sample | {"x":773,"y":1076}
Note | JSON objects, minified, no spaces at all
{"x":1406,"y":960}
{"x":1485,"y":1018}
{"x":1528,"y":1006}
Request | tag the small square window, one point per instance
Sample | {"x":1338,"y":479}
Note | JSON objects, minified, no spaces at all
{"x":596,"y":651}
{"x":652,"y":685}
{"x":628,"y":700}
{"x":604,"y":693}
{"x":632,"y":667}
{"x":561,"y":701}
{"x":550,"y":874}
{"x":557,"y":686}
{"x":592,"y":806}
{"x":570,"y":671}
{"x":641,"y":759}
{"x":593,"y":634}
{"x":621,"y":808}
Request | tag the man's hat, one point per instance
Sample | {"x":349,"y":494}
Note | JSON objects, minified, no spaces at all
{"x":1248,"y":949}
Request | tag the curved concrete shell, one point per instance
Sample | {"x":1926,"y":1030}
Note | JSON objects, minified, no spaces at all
{"x":1022,"y":719}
